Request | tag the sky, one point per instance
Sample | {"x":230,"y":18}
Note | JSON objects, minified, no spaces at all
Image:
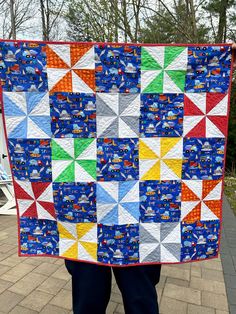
{"x":32,"y":28}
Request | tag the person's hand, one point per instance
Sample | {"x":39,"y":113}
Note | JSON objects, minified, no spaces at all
{"x":234,"y":55}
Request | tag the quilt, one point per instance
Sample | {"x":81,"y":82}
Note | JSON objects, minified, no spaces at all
{"x":117,"y":151}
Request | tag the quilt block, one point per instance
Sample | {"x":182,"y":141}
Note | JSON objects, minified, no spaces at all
{"x":117,"y":151}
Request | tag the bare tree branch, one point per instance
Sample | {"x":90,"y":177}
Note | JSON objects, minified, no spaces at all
{"x":186,"y":36}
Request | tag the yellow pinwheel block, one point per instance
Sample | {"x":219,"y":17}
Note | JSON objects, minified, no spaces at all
{"x":160,"y":158}
{"x":78,"y":241}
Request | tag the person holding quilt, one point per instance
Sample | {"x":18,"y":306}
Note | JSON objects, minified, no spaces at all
{"x":91,"y":284}
{"x":91,"y":287}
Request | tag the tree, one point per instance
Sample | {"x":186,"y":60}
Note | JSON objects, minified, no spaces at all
{"x":77,"y":25}
{"x":177,"y":23}
{"x":84,"y":25}
{"x":15,"y":17}
{"x":219,"y":11}
{"x":104,"y":20}
{"x":50,"y":13}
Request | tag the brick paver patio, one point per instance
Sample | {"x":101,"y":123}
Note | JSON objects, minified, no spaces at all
{"x":42,"y":285}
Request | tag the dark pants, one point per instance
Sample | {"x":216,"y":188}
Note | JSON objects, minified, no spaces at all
{"x":91,"y":287}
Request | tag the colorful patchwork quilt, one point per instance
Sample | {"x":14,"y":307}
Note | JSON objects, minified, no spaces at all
{"x":117,"y":151}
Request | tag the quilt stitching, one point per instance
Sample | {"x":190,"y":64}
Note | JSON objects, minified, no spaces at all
{"x":23,"y":67}
{"x":203,"y":158}
{"x":160,"y":242}
{"x":27,"y":115}
{"x":35,"y":200}
{"x":118,"y":202}
{"x":205,"y":115}
{"x":31,"y":159}
{"x":73,"y":115}
{"x":208,"y":69}
{"x":161,"y":115}
{"x":75,"y":202}
{"x":117,"y":68}
{"x":74,"y":160}
{"x":160,"y":201}
{"x":117,"y":150}
{"x":70,"y":68}
{"x":118,"y":115}
{"x":163,"y":69}
{"x":160,"y":158}
{"x":201,"y":200}
{"x":78,"y":240}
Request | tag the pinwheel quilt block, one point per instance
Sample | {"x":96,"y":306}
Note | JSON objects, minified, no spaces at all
{"x":74,"y":160}
{"x":117,"y":150}
{"x":160,"y":242}
{"x":201,"y":200}
{"x":163,"y":69}
{"x":27,"y":114}
{"x":118,"y":115}
{"x":160,"y":158}
{"x":35,"y":200}
{"x":205,"y":115}
{"x":70,"y":68}
{"x":78,"y":241}
{"x":118,"y":202}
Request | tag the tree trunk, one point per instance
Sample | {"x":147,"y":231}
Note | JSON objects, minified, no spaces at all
{"x":136,"y":10}
{"x":42,"y":9}
{"x":193,"y":20}
{"x":125,"y":20}
{"x":116,"y":20}
{"x":47,"y":12}
{"x":13,"y":20}
{"x":221,"y":34}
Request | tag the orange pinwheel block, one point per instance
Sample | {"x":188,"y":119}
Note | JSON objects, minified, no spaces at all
{"x":201,"y":200}
{"x":70,"y":68}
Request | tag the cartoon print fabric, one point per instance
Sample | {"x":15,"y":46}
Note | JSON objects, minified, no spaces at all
{"x":117,"y":151}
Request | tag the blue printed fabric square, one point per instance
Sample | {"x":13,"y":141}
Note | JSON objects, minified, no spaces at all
{"x":73,"y":115}
{"x":208,"y":69}
{"x":27,"y":115}
{"x":38,"y":236}
{"x":160,"y":201}
{"x":203,"y":158}
{"x":118,"y":244}
{"x":200,"y":240}
{"x":23,"y":67}
{"x":118,"y":202}
{"x":161,"y":115}
{"x":117,"y":68}
{"x":117,"y":159}
{"x":31,"y":159}
{"x":75,"y":202}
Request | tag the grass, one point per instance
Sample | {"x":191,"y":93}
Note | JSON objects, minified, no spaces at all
{"x":230,"y":191}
